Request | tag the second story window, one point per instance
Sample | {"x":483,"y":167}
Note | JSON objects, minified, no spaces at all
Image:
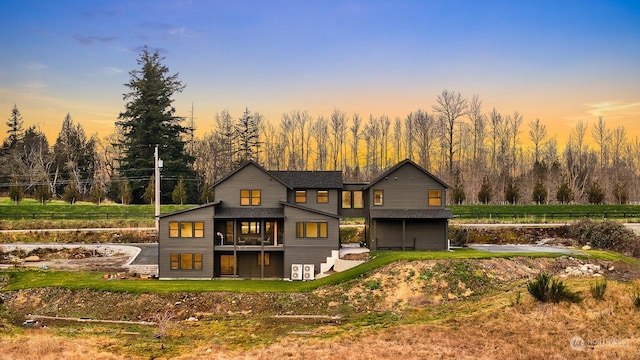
{"x":377,"y":197}
{"x":250,"y":197}
{"x":346,"y":199}
{"x":301,"y":196}
{"x":186,"y":229}
{"x":323,"y":197}
{"x":435,"y":197}
{"x":352,"y":199}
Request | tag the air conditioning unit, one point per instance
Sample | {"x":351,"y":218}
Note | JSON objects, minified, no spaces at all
{"x":296,"y":272}
{"x":307,"y":272}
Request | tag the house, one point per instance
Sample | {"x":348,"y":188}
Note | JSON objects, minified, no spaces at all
{"x":264,"y":223}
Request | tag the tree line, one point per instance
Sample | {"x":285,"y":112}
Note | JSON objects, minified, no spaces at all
{"x":478,"y":151}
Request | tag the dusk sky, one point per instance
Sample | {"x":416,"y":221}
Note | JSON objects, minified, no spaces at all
{"x":560,"y":61}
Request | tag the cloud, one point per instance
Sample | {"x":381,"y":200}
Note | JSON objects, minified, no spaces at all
{"x":614,"y":109}
{"x":35,"y":66}
{"x":165,"y":30}
{"x":111,"y":70}
{"x":93,"y":40}
{"x":33,"y":85}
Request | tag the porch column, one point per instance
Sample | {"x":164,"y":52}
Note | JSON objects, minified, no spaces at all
{"x":235,"y":255}
{"x":403,"y":233}
{"x":262,"y":249}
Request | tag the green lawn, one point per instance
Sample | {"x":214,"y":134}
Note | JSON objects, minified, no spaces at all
{"x":25,"y":279}
{"x":548,"y":213}
{"x":60,"y":210}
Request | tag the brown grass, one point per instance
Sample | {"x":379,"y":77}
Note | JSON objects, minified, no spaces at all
{"x":43,"y":345}
{"x":530,"y":330}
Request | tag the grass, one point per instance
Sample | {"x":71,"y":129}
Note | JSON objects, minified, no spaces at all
{"x":543,"y":213}
{"x":58,"y":209}
{"x":26,"y":279}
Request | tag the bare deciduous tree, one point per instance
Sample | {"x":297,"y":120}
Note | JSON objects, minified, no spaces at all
{"x":450,"y":106}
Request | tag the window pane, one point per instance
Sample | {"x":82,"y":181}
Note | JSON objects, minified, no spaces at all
{"x":377,"y":197}
{"x":299,"y":229}
{"x":198,"y":230}
{"x":186,"y":229}
{"x":301,"y":196}
{"x":244,"y":197}
{"x":323,"y":230}
{"x":346,"y":199}
{"x":255,"y":197}
{"x":254,"y":227}
{"x":175,"y":261}
{"x":323,"y":196}
{"x":186,"y":261}
{"x":174,"y":229}
{"x":244,"y":227}
{"x":358,"y":202}
{"x":198,"y":262}
{"x":312,"y":230}
{"x":435,"y":198}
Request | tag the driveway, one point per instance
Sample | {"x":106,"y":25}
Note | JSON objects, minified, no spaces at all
{"x":523,"y":249}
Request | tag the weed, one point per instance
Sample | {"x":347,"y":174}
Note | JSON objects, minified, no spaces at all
{"x":598,"y":289}
{"x":544,"y":289}
{"x":516,"y":299}
{"x":373,"y":285}
{"x":635,"y":298}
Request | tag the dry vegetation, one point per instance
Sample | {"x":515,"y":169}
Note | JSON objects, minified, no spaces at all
{"x":463,"y":309}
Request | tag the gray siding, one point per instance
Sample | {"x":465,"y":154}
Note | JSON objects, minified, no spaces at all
{"x":251,"y":178}
{"x":405,"y":188}
{"x":183,"y":246}
{"x":353,"y":212}
{"x":308,"y":251}
{"x":204,"y":246}
{"x":312,"y":200}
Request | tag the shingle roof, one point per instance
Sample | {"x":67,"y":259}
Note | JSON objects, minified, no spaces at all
{"x":316,"y":211}
{"x":189,"y":209}
{"x":249,"y":213}
{"x":310,"y":179}
{"x":411,"y":213}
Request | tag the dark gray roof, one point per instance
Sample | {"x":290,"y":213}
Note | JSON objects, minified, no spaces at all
{"x":320,"y":212}
{"x":401,"y":164}
{"x":411,"y":213}
{"x":310,"y":179}
{"x":189,"y":209}
{"x":248,"y":212}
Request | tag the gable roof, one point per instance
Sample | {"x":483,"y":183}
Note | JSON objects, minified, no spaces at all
{"x":401,"y":164}
{"x":310,"y":179}
{"x":244,"y":165}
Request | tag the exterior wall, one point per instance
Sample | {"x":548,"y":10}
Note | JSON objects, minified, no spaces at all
{"x":430,"y":234}
{"x":204,"y":246}
{"x":353,"y":212}
{"x":251,"y":178}
{"x":308,"y":251}
{"x":312,"y":200}
{"x":405,"y":188}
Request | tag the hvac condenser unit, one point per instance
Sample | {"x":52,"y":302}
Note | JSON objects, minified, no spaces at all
{"x":307,"y":273}
{"x":296,"y":272}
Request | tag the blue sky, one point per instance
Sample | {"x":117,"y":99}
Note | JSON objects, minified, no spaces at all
{"x":560,"y":61}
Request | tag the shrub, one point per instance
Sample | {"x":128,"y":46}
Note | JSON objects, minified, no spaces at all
{"x":598,"y":289}
{"x":607,"y":235}
{"x":635,"y":298}
{"x":459,"y":236}
{"x":544,"y":289}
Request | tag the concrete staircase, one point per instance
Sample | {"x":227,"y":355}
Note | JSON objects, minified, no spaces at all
{"x":331,"y":260}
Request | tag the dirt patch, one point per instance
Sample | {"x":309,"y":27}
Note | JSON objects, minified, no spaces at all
{"x":62,"y":257}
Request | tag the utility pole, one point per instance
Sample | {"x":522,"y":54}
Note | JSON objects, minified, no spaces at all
{"x":158,"y":166}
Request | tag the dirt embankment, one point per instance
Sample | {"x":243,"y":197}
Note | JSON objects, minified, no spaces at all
{"x":397,"y":287}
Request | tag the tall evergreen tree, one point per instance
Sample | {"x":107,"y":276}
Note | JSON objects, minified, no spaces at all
{"x":15,"y":127}
{"x":149,"y":119}
{"x":74,"y":157}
